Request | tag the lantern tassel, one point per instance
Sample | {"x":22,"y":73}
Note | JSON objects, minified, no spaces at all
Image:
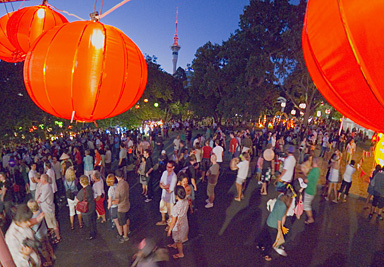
{"x":73,"y":115}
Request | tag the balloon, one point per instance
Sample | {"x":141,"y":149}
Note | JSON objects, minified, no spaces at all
{"x":342,"y":45}
{"x":8,"y":52}
{"x":28,"y":23}
{"x":86,"y":71}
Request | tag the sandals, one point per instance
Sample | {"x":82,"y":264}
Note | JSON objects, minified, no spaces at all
{"x":72,"y":227}
{"x":177,"y":256}
{"x":57,"y":240}
{"x":267,"y":258}
{"x":81,"y":226}
{"x":172,"y":246}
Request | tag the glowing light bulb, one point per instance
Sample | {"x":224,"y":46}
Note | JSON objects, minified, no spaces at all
{"x":41,"y":13}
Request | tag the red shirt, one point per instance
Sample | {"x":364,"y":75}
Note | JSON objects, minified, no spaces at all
{"x":78,"y":158}
{"x":233,"y":144}
{"x":207,"y":151}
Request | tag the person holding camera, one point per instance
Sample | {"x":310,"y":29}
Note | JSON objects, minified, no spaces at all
{"x":20,"y":239}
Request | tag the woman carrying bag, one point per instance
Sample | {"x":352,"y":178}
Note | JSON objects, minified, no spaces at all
{"x":86,"y":205}
{"x":272,"y":235}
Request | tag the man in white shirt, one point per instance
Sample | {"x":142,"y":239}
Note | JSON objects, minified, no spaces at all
{"x":167,"y":183}
{"x":289,"y":166}
{"x":32,"y":182}
{"x":52,"y":176}
{"x":45,"y":201}
{"x":219,"y":152}
{"x":56,"y":166}
{"x":243,"y":168}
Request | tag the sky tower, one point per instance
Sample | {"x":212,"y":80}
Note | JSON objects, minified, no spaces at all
{"x":175,"y":46}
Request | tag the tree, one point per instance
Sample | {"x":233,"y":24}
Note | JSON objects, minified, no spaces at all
{"x":240,"y":76}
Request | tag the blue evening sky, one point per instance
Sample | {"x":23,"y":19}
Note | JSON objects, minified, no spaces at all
{"x":151,"y":23}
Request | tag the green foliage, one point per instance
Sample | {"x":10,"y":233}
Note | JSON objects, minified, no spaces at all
{"x":240,"y":75}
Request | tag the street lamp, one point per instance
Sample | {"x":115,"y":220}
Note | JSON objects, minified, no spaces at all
{"x":293,"y":112}
{"x":156,"y":105}
{"x":146,"y":100}
{"x":319,"y":113}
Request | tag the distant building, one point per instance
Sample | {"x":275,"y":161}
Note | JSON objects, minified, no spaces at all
{"x":175,"y":47}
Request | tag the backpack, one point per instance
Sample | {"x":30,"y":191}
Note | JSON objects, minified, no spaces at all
{"x":68,"y":193}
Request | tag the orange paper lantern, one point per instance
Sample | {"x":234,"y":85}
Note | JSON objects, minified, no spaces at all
{"x":86,"y":71}
{"x":343,"y":49}
{"x":8,"y":52}
{"x":28,"y":23}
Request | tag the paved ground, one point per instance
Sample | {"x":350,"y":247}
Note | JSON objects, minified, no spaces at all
{"x":225,"y":235}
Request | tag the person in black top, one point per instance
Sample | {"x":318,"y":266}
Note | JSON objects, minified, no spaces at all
{"x":90,"y":216}
{"x":6,"y":193}
{"x":148,"y":174}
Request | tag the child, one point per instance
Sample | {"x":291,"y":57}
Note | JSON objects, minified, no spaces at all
{"x":347,"y":181}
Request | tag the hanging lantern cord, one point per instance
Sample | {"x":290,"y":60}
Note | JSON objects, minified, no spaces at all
{"x":114,"y":8}
{"x":101,"y":8}
{"x":94,"y":6}
{"x":6,"y":9}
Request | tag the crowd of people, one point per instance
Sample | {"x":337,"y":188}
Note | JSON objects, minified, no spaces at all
{"x":88,"y":173}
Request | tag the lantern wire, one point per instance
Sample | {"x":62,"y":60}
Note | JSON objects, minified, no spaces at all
{"x":12,"y":7}
{"x":101,"y":8}
{"x":22,"y":4}
{"x":6,"y":9}
{"x":94,"y":6}
{"x":114,"y":8}
{"x":63,"y":11}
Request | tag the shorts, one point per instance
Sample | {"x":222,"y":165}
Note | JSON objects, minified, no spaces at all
{"x":266,"y":175}
{"x":210,"y":189}
{"x":113,"y":212}
{"x":240,"y":180}
{"x":334,"y":176}
{"x":143,"y":179}
{"x":50,"y":219}
{"x":378,"y":202}
{"x":123,"y":218}
{"x":165,"y":207}
{"x":72,"y":207}
{"x":205,"y":164}
{"x":307,"y":203}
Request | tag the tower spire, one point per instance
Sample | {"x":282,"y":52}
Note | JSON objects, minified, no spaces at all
{"x":175,"y":46}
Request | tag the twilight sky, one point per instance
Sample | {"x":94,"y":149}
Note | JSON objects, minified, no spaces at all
{"x":151,"y":23}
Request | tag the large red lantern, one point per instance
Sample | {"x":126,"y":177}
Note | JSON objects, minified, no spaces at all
{"x":28,"y":23}
{"x":343,"y":49}
{"x":8,"y":52}
{"x":86,"y":71}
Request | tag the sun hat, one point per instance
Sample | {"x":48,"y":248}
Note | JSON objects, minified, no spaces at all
{"x":268,"y":154}
{"x":64,"y":157}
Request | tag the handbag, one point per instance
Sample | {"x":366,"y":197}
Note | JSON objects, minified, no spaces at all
{"x":299,"y":209}
{"x":82,"y":206}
